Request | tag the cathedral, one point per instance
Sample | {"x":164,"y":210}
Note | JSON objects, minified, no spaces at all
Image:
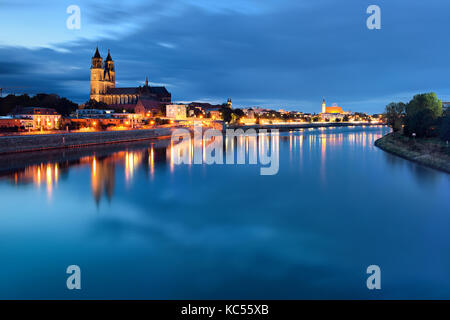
{"x":103,"y":86}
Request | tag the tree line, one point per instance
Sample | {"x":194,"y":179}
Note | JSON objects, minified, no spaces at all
{"x":423,"y":117}
{"x":62,"y":105}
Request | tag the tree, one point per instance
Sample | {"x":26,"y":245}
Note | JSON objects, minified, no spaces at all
{"x":94,"y":104}
{"x":226,"y":114}
{"x":422,"y":113}
{"x":423,"y":124}
{"x":239,"y":113}
{"x":62,"y":105}
{"x":394,"y":114}
{"x":424,"y":101}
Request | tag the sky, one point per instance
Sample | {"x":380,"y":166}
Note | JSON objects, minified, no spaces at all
{"x":280,"y":54}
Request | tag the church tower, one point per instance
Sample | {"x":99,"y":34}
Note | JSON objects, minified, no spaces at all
{"x":109,"y":73}
{"x":229,"y":103}
{"x":97,"y":87}
{"x":324,"y":106}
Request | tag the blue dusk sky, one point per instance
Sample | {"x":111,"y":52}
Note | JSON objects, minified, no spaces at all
{"x":285,"y":54}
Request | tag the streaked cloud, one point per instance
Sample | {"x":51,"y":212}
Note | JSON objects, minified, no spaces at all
{"x":284,"y":54}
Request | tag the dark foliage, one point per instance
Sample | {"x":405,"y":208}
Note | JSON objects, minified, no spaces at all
{"x":62,"y":105}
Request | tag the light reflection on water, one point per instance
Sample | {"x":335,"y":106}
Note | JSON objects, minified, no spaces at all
{"x":103,"y":168}
{"x":141,"y":226}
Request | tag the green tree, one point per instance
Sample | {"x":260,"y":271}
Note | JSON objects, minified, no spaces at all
{"x":394,"y":115}
{"x":424,"y":101}
{"x":423,"y":124}
{"x":422,"y":113}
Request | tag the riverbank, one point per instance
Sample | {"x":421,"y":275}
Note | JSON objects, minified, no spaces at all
{"x":31,"y":143}
{"x":429,"y":152}
{"x":39,"y":142}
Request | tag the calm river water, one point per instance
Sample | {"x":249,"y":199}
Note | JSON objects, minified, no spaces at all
{"x":140,"y":226}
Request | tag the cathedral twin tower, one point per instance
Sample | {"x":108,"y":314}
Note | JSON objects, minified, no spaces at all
{"x":103,"y":76}
{"x":103,"y":86}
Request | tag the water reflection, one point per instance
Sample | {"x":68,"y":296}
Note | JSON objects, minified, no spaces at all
{"x":426,"y":175}
{"x":302,"y":146}
{"x":102,"y":177}
{"x":334,"y":196}
{"x":44,"y":174}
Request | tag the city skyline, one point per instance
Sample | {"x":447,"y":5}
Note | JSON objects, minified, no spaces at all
{"x":320,"y":50}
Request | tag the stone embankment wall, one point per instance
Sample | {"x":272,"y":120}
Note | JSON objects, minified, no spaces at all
{"x":10,"y":144}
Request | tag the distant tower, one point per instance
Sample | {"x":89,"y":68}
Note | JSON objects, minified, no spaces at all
{"x":97,"y":87}
{"x":229,"y":104}
{"x":324,"y":106}
{"x":146,"y":81}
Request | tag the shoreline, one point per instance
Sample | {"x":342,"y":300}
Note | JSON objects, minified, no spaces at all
{"x":42,"y":142}
{"x":427,"y":152}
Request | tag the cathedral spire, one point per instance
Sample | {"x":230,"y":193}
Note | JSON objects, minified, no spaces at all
{"x":108,"y":58}
{"x":97,"y":54}
{"x":146,"y":81}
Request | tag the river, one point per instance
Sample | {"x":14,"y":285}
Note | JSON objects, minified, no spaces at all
{"x":140,"y":226}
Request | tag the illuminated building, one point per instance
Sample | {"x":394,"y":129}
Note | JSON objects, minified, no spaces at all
{"x":332,"y":113}
{"x":332,"y":109}
{"x":103,"y":86}
{"x":229,"y":103}
{"x":40,"y":118}
{"x":176,"y":111}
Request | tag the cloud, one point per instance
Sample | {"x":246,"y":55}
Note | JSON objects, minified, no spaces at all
{"x":280,"y":54}
{"x":167,"y":45}
{"x":8,"y":68}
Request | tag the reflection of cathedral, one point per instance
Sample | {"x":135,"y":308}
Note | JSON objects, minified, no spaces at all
{"x":103,"y":86}
{"x":102,"y":178}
